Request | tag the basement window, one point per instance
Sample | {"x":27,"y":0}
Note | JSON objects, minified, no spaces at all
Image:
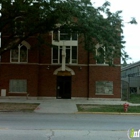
{"x":17,"y":86}
{"x":104,"y":87}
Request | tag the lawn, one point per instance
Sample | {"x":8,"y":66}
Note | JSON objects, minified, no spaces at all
{"x":23,"y":107}
{"x":106,"y":108}
{"x":134,"y":98}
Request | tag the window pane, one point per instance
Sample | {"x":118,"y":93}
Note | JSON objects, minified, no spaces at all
{"x":74,"y":36}
{"x":60,"y":55}
{"x":55,"y":35}
{"x":18,"y":86}
{"x":67,"y":47}
{"x":74,"y":61}
{"x":19,"y":27}
{"x":74,"y":52}
{"x":68,"y":56}
{"x":64,"y":34}
{"x":55,"y":60}
{"x":55,"y":52}
{"x":23,"y":54}
{"x":14,"y":55}
{"x":100,"y":54}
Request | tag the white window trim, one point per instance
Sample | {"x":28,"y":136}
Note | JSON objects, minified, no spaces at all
{"x":101,"y":46}
{"x":19,"y":46}
{"x":59,"y":34}
{"x":66,"y":54}
{"x":97,"y":54}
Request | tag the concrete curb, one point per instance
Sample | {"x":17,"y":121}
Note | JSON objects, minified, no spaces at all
{"x":108,"y":113}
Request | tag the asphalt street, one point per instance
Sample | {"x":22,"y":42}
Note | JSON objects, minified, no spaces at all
{"x":32,"y":126}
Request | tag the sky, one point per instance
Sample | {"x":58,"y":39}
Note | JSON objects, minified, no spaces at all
{"x":131,"y":32}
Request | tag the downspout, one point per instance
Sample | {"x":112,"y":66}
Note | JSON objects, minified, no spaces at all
{"x":88,"y":75}
{"x":38,"y":73}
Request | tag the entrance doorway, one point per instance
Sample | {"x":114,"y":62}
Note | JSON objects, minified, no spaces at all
{"x":63,"y":87}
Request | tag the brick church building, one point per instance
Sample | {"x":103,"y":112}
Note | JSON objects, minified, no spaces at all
{"x":64,"y":71}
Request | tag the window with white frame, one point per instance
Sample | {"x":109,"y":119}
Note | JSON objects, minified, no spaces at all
{"x":100,"y":52}
{"x":19,"y":54}
{"x":17,"y":86}
{"x":71,"y":54}
{"x":64,"y":34}
{"x":103,"y":56}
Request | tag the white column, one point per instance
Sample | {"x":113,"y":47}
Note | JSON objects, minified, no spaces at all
{"x":63,"y":57}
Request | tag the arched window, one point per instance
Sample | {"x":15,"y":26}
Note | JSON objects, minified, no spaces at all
{"x":104,"y":55}
{"x":20,"y":53}
{"x":19,"y":26}
{"x":100,"y":53}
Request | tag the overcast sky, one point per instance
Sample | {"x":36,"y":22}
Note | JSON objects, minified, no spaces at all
{"x":131,"y":32}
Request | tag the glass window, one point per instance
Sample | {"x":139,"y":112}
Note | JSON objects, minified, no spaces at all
{"x":103,"y":55}
{"x":100,"y":55}
{"x":71,"y":54}
{"x":14,"y":55}
{"x":64,"y":34}
{"x":19,"y":54}
{"x":55,"y":54}
{"x":18,"y":86}
{"x":68,"y":56}
{"x":74,"y":36}
{"x":74,"y":54}
{"x":55,"y":35}
{"x":19,"y":29}
{"x":23,"y":54}
{"x":60,"y":55}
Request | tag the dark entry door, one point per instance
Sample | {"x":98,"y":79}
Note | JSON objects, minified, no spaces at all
{"x":64,"y":87}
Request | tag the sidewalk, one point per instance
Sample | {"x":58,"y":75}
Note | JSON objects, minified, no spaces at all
{"x":62,"y":105}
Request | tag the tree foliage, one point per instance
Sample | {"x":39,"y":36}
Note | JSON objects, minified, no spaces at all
{"x":98,"y":25}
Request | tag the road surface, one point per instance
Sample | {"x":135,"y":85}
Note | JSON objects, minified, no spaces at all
{"x":33,"y":126}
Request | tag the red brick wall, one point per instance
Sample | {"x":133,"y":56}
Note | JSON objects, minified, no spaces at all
{"x":47,"y":81}
{"x":105,"y":73}
{"x":79,"y":82}
{"x":19,"y":71}
{"x":42,"y":82}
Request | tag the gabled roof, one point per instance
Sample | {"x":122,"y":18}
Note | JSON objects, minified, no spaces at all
{"x":130,"y":66}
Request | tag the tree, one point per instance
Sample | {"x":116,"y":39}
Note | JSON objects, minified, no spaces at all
{"x":32,"y":17}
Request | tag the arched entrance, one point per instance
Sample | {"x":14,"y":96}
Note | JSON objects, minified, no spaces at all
{"x":64,"y":79}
